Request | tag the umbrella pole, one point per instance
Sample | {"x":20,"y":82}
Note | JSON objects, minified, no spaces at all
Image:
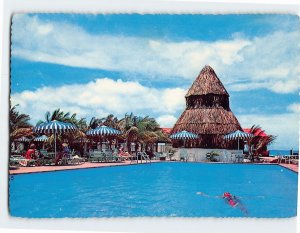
{"x":238,"y":144}
{"x":55,"y":143}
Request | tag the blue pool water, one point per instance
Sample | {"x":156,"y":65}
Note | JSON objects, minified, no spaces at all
{"x":159,"y":189}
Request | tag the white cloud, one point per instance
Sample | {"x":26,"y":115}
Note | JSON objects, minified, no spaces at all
{"x":284,"y":126}
{"x":295,"y":108}
{"x":70,"y":45}
{"x":167,"y":121}
{"x":101,"y":97}
{"x":270,"y":62}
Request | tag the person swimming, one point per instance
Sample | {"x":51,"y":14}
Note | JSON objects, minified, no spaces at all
{"x":231,"y":200}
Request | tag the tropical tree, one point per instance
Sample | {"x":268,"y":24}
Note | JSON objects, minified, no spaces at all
{"x":112,"y":121}
{"x":259,"y":142}
{"x":143,"y":131}
{"x":94,"y":122}
{"x":19,"y":125}
{"x":128,"y":125}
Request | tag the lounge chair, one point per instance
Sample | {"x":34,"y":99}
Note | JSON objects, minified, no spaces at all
{"x":239,"y":158}
{"x":17,"y":161}
{"x":157,"y":155}
{"x":163,"y":156}
{"x":75,"y":160}
{"x":184,"y":155}
{"x":97,"y":156}
{"x":295,"y":159}
{"x":118,"y":158}
{"x":108,"y":156}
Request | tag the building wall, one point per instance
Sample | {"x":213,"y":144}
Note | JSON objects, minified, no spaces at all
{"x":199,"y":154}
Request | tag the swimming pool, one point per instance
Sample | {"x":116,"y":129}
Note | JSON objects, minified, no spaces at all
{"x":160,"y":189}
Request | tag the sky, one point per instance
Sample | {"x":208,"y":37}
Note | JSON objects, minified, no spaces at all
{"x":94,"y":65}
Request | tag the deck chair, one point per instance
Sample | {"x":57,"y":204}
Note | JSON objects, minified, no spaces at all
{"x":157,"y":155}
{"x":75,"y":160}
{"x":239,"y":158}
{"x":183,"y":155}
{"x":108,"y":156}
{"x":97,"y":156}
{"x":117,"y":158}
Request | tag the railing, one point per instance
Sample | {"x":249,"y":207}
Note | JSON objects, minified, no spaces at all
{"x":143,"y":156}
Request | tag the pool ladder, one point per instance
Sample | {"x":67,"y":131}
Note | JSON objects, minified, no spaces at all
{"x":144,"y":157}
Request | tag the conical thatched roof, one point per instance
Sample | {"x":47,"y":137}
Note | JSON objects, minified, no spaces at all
{"x":207,"y":82}
{"x":207,"y":112}
{"x":207,"y":121}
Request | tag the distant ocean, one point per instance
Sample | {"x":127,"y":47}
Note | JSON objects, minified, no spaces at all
{"x":282,"y":152}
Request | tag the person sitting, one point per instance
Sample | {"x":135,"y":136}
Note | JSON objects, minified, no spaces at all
{"x":31,"y":156}
{"x":66,"y":150}
{"x":30,"y":153}
{"x":123,"y":153}
{"x":64,"y":155}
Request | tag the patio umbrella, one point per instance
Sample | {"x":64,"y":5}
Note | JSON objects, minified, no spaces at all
{"x":237,"y":135}
{"x":103,"y":131}
{"x":23,"y":139}
{"x":54,"y":127}
{"x":185,"y":135}
{"x":42,"y":138}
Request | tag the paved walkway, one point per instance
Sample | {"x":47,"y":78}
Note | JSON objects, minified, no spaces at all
{"x":292,"y":167}
{"x":22,"y":170}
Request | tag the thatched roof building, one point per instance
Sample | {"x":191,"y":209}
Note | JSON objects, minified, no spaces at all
{"x":207,"y":112}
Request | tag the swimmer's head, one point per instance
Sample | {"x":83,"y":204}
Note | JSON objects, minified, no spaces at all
{"x":226,"y":194}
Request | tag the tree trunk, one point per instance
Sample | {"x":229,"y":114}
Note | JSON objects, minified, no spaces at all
{"x":128,"y":146}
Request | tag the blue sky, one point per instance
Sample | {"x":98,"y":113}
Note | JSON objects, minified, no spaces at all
{"x":99,"y":64}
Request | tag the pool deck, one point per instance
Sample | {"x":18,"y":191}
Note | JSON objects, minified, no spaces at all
{"x":24,"y":170}
{"x":292,"y":167}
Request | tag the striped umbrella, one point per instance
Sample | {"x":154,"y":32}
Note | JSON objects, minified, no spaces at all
{"x":237,"y":135}
{"x":103,"y":131}
{"x":185,"y":135}
{"x":23,"y":139}
{"x":42,"y":138}
{"x":54,"y":127}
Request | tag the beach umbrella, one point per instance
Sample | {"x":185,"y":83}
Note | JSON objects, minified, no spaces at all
{"x":54,"y":127}
{"x":23,"y":139}
{"x":103,"y":131}
{"x":42,"y":138}
{"x":184,"y":135}
{"x":237,"y":135}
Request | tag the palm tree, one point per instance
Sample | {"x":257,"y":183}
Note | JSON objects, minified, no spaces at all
{"x":128,"y":125}
{"x":259,"y":142}
{"x":94,"y":122}
{"x":143,"y":131}
{"x":19,"y":125}
{"x":112,"y":121}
